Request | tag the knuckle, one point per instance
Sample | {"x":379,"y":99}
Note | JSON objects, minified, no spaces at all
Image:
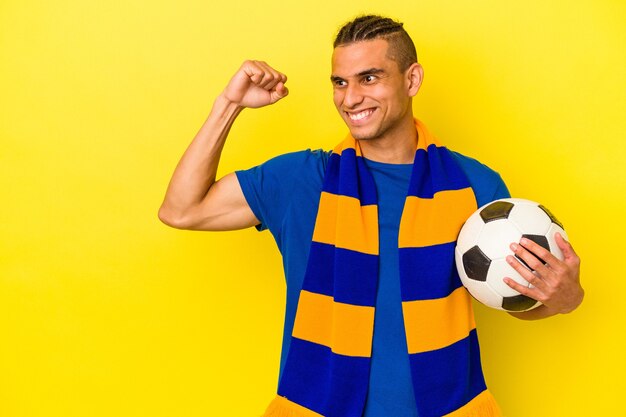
{"x":515,"y":285}
{"x":534,"y":263}
{"x":561,"y":270}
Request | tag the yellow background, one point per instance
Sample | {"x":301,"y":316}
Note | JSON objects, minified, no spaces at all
{"x":104,"y":311}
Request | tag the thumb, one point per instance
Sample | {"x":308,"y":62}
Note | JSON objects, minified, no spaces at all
{"x":281,"y":91}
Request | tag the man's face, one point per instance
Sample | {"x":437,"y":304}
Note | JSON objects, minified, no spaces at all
{"x":369,"y":91}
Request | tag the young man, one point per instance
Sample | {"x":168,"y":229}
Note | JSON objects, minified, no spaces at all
{"x":377,"y":323}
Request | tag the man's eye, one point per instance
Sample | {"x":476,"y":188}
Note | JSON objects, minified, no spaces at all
{"x":340,"y":83}
{"x":369,"y":78}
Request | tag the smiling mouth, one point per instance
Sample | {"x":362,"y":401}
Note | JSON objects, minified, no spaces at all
{"x":359,"y":116}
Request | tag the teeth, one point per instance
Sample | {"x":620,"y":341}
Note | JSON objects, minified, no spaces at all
{"x":360,"y":115}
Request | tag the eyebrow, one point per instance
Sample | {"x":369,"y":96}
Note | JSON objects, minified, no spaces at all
{"x":369,"y":71}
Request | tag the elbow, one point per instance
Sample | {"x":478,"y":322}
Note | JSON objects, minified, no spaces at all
{"x":172,"y":218}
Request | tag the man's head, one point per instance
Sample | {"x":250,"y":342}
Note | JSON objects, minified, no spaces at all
{"x":375,"y":74}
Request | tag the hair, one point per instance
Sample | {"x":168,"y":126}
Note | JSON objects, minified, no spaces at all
{"x":364,"y":28}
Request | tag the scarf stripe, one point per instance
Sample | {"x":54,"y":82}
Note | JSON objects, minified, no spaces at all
{"x":359,"y":264}
{"x":422,"y":286}
{"x":416,"y":229}
{"x":311,"y":386}
{"x":345,"y":328}
{"x":354,"y":227}
{"x":426,"y":332}
{"x":328,"y":364}
{"x":450,"y":377}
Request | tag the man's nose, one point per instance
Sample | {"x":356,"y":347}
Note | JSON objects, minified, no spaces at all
{"x":353,"y":96}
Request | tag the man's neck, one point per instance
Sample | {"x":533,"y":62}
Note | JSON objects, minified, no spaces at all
{"x":397,"y":147}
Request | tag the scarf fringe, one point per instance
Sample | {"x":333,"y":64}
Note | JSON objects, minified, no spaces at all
{"x":282,"y":407}
{"x":483,"y":405}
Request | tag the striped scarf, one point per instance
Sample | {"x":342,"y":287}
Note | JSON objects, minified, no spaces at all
{"x":327,"y":368}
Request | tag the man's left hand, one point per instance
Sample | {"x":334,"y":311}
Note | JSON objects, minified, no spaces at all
{"x":554,"y":282}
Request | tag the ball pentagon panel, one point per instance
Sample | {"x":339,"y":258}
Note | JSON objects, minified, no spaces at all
{"x":495,"y":211}
{"x":518,"y":303}
{"x":476,"y":264}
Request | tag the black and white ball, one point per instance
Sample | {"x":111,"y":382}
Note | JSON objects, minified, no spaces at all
{"x":484,"y":243}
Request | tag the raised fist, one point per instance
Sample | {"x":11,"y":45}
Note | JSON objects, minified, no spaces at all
{"x":256,"y":84}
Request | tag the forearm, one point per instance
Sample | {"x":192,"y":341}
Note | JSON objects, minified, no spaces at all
{"x":538,"y":313}
{"x":196,"y":171}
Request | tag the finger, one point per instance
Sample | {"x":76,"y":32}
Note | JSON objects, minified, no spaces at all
{"x":282,"y":77}
{"x":258,"y":74}
{"x":271,"y":76}
{"x":539,"y":251}
{"x":529,"y":276}
{"x":267,"y":79}
{"x":254,"y":71}
{"x":279,"y":92}
{"x":566,"y":248}
{"x":282,"y":90}
{"x":530,"y":259}
{"x":276,"y":76}
{"x":533,"y":293}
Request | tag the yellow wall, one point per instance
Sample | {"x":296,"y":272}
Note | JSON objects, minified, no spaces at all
{"x":104,"y":311}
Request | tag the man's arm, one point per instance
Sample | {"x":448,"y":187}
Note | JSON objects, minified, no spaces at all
{"x":556,"y":283}
{"x":194,"y":200}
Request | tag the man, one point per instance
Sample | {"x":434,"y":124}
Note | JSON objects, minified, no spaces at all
{"x":377,"y":323}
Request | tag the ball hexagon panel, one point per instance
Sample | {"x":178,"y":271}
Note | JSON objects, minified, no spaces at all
{"x":494,"y":234}
{"x":529,"y":218}
{"x":471,"y":229}
{"x":554,"y":248}
{"x":499,"y":269}
{"x":483,"y":293}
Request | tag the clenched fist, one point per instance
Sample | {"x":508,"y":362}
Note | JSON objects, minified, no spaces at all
{"x":256,"y":84}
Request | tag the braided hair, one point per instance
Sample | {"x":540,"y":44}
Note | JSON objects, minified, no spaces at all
{"x":364,"y":28}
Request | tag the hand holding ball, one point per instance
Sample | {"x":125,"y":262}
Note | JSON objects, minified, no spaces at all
{"x":484,"y":243}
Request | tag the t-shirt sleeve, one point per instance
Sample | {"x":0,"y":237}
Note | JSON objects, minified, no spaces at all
{"x":501,"y":191}
{"x":268,"y":188}
{"x":486,"y":183}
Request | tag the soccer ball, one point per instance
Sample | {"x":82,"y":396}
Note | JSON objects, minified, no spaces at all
{"x":483,"y":245}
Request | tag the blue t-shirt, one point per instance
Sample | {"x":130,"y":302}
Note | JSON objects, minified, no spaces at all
{"x":284,"y":193}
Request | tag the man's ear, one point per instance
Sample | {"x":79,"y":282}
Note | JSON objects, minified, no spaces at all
{"x":414,"y":77}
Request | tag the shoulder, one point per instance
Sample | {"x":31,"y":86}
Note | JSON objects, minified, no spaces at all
{"x":272,"y":186}
{"x":487,"y":183}
{"x":299,"y":160}
{"x":474,"y":168}
{"x":284,"y":169}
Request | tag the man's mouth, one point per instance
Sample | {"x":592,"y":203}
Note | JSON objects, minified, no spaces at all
{"x":361,"y":115}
